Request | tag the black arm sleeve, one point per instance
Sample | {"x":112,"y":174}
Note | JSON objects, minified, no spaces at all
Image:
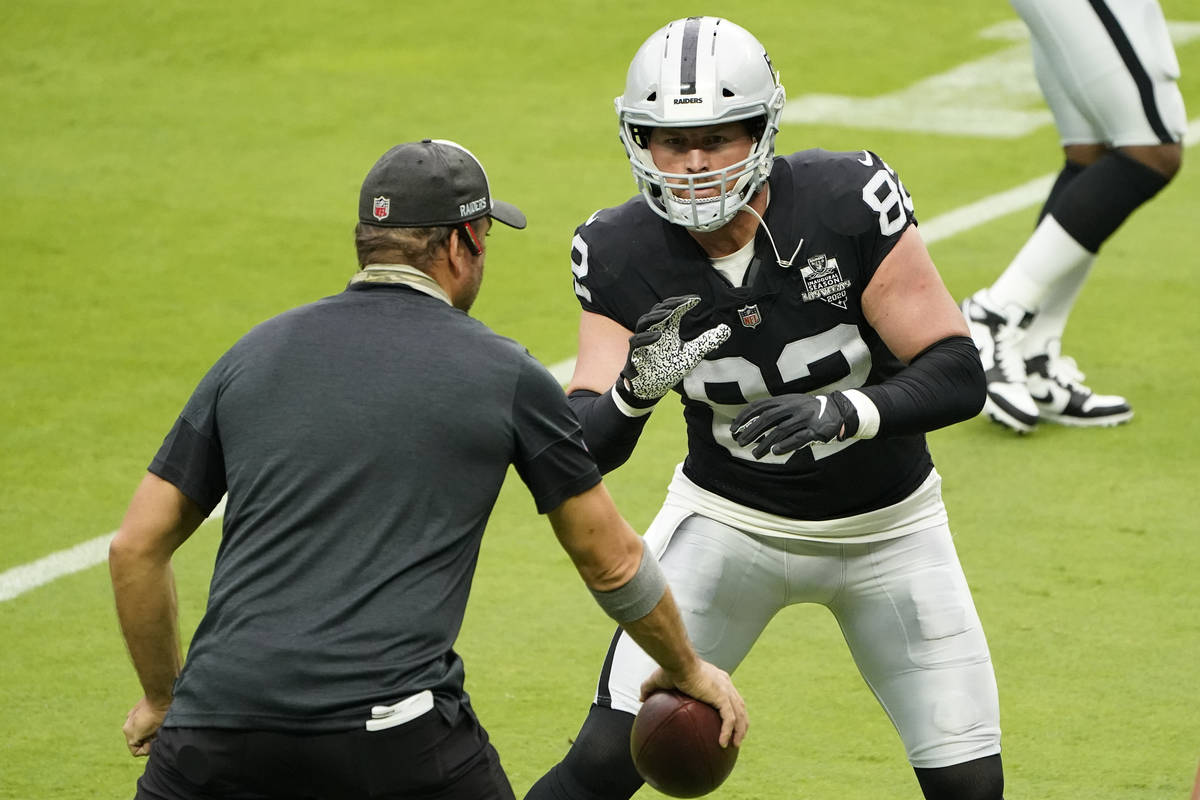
{"x":944,"y":384}
{"x":609,"y":435}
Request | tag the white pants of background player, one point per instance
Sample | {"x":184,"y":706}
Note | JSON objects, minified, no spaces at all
{"x":1087,"y":73}
{"x":894,"y":584}
{"x":1091,"y":91}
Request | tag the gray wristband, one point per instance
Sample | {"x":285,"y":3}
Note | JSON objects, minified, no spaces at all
{"x":639,"y":595}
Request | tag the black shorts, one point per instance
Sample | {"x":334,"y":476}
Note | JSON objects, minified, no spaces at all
{"x":424,"y":758}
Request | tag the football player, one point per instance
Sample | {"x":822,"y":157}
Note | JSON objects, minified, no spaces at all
{"x":1108,"y":72}
{"x":792,"y":306}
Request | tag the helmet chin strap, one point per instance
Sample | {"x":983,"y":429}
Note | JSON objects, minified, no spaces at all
{"x":771,"y":239}
{"x":679,"y":205}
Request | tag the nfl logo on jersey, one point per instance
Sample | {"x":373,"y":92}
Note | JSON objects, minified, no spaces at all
{"x":750,"y":316}
{"x":382,"y":207}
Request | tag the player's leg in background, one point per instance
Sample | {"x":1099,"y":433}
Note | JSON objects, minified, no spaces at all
{"x":912,"y":627}
{"x":1109,"y":76}
{"x":728,"y":586}
{"x":1000,"y":315}
{"x":1078,"y":222}
{"x":1056,"y":260}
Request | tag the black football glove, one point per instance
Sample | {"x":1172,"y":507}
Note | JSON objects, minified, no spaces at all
{"x":791,"y":421}
{"x":657,"y":358}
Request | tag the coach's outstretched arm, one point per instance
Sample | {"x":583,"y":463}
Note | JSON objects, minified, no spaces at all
{"x":628,"y":584}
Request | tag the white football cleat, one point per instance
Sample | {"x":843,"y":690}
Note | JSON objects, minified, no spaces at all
{"x":998,"y":333}
{"x":1056,"y":385}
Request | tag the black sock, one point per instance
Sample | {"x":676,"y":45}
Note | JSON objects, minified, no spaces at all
{"x":981,"y":779}
{"x":598,"y":766}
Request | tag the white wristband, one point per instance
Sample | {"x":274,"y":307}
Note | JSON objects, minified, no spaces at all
{"x":868,"y":414}
{"x":632,"y":412}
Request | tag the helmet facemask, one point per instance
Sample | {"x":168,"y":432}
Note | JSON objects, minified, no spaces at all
{"x":698,"y":72}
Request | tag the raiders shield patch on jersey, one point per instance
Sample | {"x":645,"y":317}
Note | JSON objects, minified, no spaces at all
{"x":823,"y":281}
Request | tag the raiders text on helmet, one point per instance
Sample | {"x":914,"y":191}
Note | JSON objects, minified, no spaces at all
{"x":694,"y":72}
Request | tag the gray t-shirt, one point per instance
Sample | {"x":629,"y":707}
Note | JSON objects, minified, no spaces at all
{"x":363,"y":440}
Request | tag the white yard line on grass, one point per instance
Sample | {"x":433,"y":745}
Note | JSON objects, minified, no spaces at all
{"x":18,"y":580}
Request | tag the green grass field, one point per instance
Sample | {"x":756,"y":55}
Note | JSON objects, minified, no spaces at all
{"x":172,"y":174}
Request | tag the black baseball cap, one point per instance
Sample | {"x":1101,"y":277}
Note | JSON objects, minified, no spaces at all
{"x":430,"y":183}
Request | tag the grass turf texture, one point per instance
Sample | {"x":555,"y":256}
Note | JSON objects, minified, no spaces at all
{"x":172,"y":176}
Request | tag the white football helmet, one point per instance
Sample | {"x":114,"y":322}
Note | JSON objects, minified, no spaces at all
{"x":694,"y":72}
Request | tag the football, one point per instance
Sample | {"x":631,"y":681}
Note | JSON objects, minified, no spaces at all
{"x":675,"y":748}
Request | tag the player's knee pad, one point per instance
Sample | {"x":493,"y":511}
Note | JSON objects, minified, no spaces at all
{"x":1103,"y":196}
{"x":981,"y":779}
{"x":1066,"y":175}
{"x":598,"y":766}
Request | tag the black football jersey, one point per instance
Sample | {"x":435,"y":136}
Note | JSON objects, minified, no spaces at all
{"x":798,"y":328}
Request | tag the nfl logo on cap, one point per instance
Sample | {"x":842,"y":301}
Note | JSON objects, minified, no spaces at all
{"x":381,"y":208}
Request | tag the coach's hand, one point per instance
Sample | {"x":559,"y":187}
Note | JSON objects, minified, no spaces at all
{"x":657,"y":358}
{"x":789,"y":422}
{"x":141,"y":726}
{"x":712,"y":685}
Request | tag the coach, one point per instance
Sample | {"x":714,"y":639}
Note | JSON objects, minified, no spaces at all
{"x":363,"y":440}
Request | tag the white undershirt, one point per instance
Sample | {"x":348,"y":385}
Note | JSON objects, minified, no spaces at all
{"x":734,"y":265}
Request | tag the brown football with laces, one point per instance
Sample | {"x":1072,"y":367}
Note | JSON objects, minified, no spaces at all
{"x":675,"y":745}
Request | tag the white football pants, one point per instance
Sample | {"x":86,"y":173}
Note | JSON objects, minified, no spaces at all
{"x":903,"y":606}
